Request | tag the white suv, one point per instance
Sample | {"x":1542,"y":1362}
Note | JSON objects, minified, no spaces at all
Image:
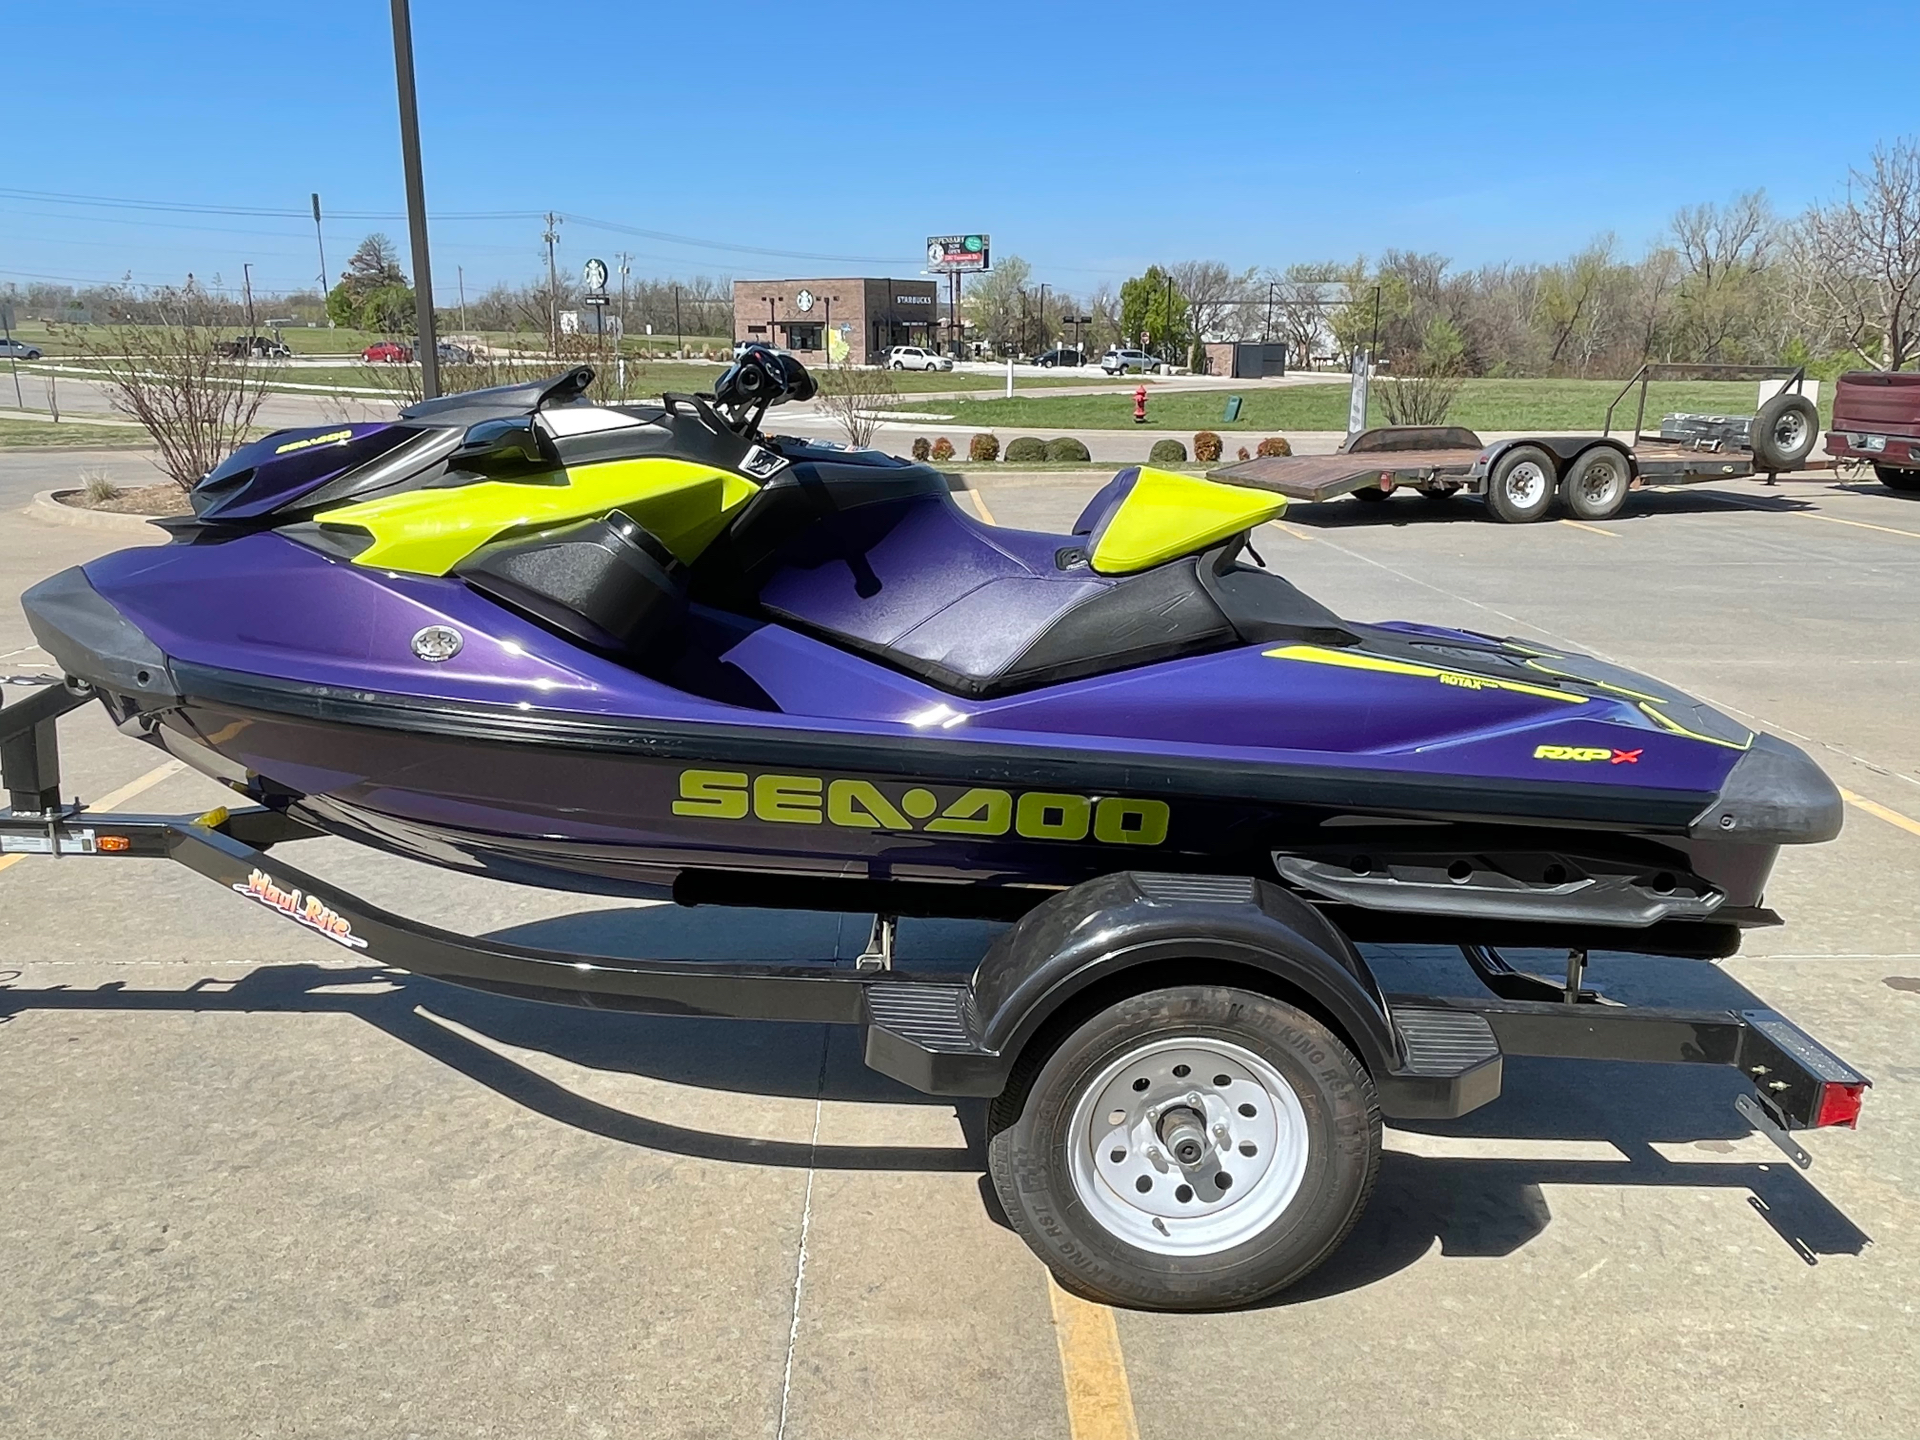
{"x":912,"y":357}
{"x":1118,"y":362}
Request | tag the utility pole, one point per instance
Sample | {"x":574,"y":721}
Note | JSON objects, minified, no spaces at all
{"x":1043,"y":315}
{"x":321,"y":241}
{"x":460,"y":274}
{"x":552,"y":237}
{"x":626,"y":268}
{"x":246,"y":289}
{"x":1267,"y":334}
{"x":1166,"y":338}
{"x":679,"y":331}
{"x":428,"y":348}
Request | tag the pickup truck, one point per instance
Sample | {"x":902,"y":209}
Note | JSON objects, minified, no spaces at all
{"x":1876,"y":418}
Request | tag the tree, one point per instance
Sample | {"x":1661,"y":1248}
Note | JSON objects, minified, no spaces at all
{"x":166,"y":373}
{"x":1215,"y":297}
{"x":373,"y":270}
{"x":1859,"y":260}
{"x":994,"y":303}
{"x":1721,"y":297}
{"x":1153,"y":314}
{"x":854,"y":396}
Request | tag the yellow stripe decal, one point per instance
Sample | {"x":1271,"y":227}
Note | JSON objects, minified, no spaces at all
{"x":1354,"y":660}
{"x":1677,"y":728}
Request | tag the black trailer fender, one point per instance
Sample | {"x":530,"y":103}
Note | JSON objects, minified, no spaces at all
{"x":1115,"y":933}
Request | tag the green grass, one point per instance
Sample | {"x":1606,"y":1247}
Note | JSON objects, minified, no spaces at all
{"x":1538,"y":405}
{"x":70,"y":435}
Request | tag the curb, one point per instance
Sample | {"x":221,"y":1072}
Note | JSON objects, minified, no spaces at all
{"x":47,"y":509}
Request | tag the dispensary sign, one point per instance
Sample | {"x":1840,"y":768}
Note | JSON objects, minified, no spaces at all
{"x":956,"y":254}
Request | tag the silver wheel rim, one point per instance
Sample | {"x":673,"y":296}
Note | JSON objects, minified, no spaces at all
{"x":1600,"y":482}
{"x":1526,"y":484}
{"x":1125,"y":1173}
{"x":1789,"y":429}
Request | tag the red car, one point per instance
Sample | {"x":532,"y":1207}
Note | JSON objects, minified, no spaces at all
{"x":387,"y":352}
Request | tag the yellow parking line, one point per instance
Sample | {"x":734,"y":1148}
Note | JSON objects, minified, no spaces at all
{"x":980,"y":505}
{"x":1289,"y":530}
{"x":118,"y":797}
{"x":1594,"y":529}
{"x":1860,"y":525}
{"x":1099,"y":1400}
{"x":1892,"y":817}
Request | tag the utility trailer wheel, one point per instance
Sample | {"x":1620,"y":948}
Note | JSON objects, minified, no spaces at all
{"x":1784,"y":431}
{"x":1596,"y":484}
{"x":1907,"y":482}
{"x":1521,"y":486}
{"x":1372,"y":494}
{"x":1192,"y":1148}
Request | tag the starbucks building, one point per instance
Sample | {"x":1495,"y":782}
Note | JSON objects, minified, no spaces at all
{"x":854,"y":321}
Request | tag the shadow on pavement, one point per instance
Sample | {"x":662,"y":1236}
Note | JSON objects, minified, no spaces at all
{"x":1469,"y":1206}
{"x":1398,"y":510}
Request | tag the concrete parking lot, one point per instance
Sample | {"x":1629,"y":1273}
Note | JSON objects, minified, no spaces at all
{"x":251,"y":1188}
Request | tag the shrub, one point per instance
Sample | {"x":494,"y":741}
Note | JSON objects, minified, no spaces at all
{"x":942,"y":450}
{"x":984,"y":447}
{"x":922,"y":448}
{"x":1026,"y":450}
{"x":1206,"y":447}
{"x":1066,"y":448}
{"x":99,"y":486}
{"x":1274,"y":445}
{"x":1243,"y":453}
{"x":1167,"y":452}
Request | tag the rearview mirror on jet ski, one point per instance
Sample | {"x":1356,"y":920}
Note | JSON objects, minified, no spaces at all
{"x":509,"y":444}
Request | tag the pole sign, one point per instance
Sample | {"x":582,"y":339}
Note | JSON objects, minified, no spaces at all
{"x":594,"y":273}
{"x":958,"y":254}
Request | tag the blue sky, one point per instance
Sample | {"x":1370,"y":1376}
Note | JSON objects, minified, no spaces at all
{"x":1092,"y":139}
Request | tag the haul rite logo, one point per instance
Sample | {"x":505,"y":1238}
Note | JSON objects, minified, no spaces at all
{"x":863,"y":805}
{"x":1586,"y":752}
{"x":307,"y":910}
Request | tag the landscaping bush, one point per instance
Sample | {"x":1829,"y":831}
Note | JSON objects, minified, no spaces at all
{"x":984,"y":447}
{"x":1274,"y":445}
{"x":1206,"y":447}
{"x":922,"y":448}
{"x":1243,"y":453}
{"x":1066,"y":448}
{"x":942,"y":450}
{"x":1026,"y":450}
{"x":1167,"y":452}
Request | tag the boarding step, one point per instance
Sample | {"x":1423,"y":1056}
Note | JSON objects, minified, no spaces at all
{"x":1444,"y":1042}
{"x":924,"y":1035}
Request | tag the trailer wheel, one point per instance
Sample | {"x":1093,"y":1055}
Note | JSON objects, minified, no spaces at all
{"x":1784,"y":431}
{"x":1372,"y":494}
{"x":1907,"y":482}
{"x":1521,"y":486}
{"x":1186,"y":1149}
{"x":1596,"y":484}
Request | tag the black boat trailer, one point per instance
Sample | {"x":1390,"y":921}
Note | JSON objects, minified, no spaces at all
{"x":1067,"y":966}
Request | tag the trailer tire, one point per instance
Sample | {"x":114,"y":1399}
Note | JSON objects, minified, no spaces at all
{"x":1293,"y":1108}
{"x":1907,"y":482}
{"x":1521,"y":485}
{"x":1372,"y":494}
{"x":1596,"y":484}
{"x":1784,"y":432}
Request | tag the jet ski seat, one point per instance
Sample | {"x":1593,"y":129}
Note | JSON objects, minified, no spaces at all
{"x":1152,"y":573}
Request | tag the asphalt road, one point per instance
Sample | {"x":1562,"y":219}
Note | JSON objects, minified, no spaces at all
{"x":251,"y":1188}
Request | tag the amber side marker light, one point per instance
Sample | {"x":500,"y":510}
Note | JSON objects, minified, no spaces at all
{"x":116,"y":844}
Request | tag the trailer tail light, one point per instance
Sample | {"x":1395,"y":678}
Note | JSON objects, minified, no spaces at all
{"x":1839,"y":1104}
{"x":114,"y":844}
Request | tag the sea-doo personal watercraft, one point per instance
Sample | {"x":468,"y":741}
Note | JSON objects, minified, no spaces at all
{"x":650,"y":650}
{"x":640,"y":649}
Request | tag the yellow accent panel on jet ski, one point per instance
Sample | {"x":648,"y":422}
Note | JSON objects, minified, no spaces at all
{"x":428,"y":532}
{"x":1165,"y":516}
{"x":1354,"y":660}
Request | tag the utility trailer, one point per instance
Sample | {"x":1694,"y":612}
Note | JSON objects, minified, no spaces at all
{"x":1520,"y":477}
{"x":1187,"y":1073}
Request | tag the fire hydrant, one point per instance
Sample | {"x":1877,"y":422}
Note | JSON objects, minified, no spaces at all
{"x":1140,"y":406}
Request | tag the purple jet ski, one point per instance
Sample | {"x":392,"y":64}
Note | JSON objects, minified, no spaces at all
{"x":654,"y":651}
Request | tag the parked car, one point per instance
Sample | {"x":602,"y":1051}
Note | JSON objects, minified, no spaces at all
{"x":1062,"y":356}
{"x":387,"y":352}
{"x":258,"y":347}
{"x":19,"y":350}
{"x":1118,"y":362}
{"x":1876,"y":418}
{"x":913,"y":357}
{"x":452,"y":354}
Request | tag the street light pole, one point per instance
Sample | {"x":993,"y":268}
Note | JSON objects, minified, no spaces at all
{"x":246,"y":289}
{"x":429,"y":352}
{"x":321,"y":241}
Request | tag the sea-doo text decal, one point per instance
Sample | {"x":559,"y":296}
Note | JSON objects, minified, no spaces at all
{"x":1586,"y":752}
{"x":864,"y":805}
{"x":307,"y":910}
{"x":332,"y":437}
